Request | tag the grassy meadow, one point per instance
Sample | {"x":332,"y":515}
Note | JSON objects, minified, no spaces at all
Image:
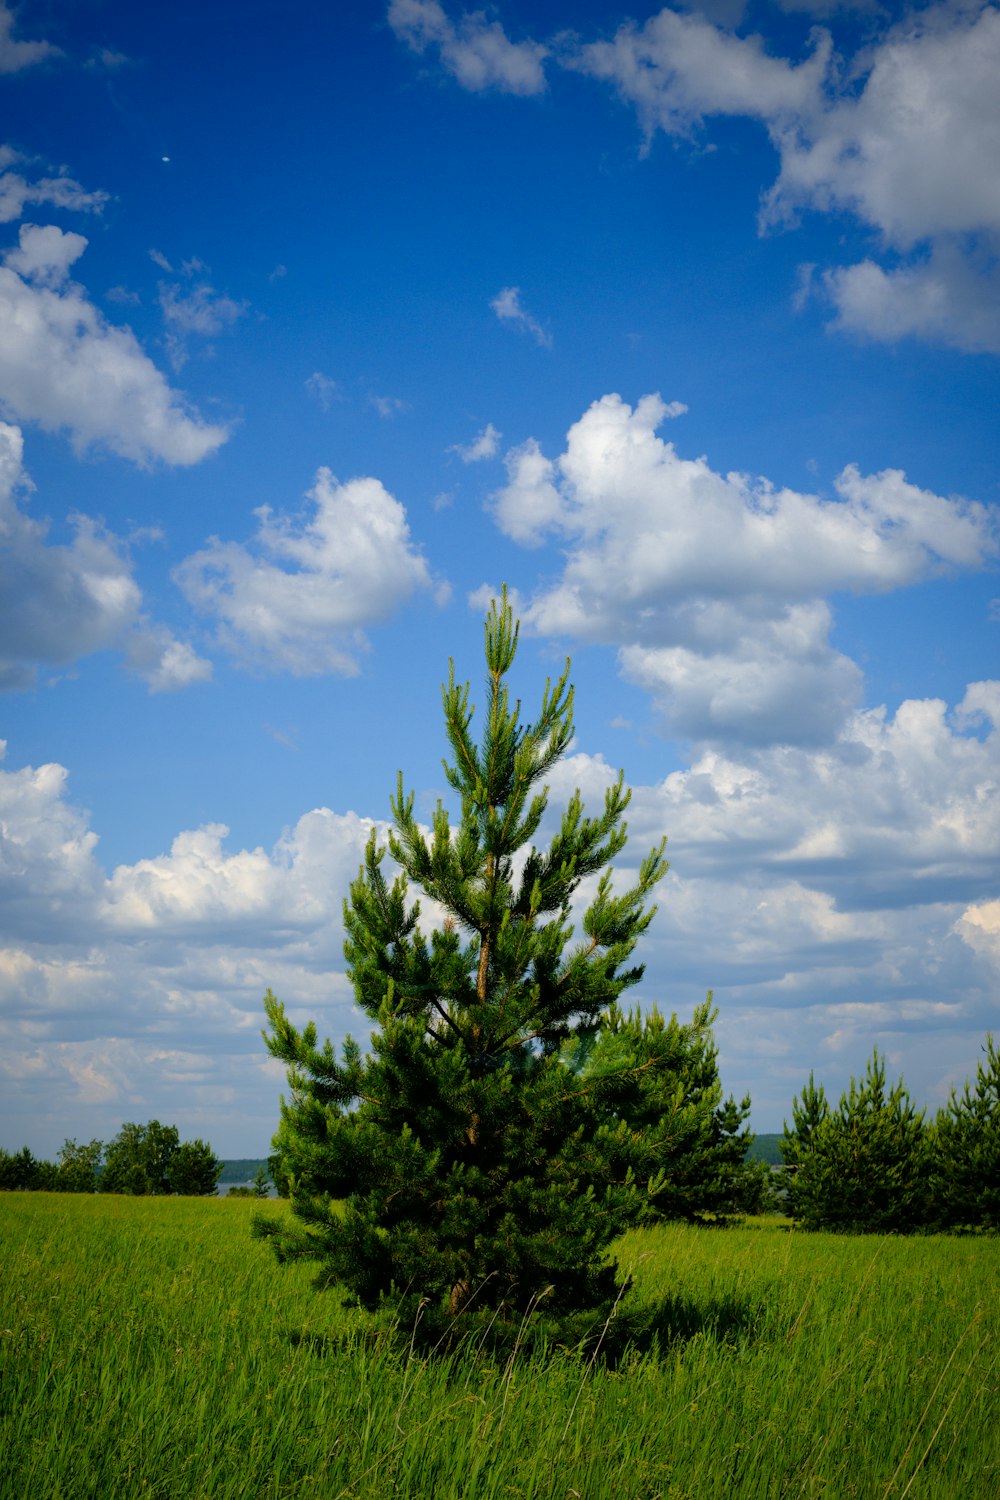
{"x":148,"y":1347}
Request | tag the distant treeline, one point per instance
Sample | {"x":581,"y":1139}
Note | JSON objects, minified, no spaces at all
{"x":766,"y":1148}
{"x":142,"y":1160}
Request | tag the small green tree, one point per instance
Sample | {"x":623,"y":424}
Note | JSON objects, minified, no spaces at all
{"x":966,"y":1151}
{"x":664,"y":1116}
{"x":809,"y":1110}
{"x":79,"y":1167}
{"x":193,"y":1171}
{"x":864,"y":1166}
{"x":464,"y":1149}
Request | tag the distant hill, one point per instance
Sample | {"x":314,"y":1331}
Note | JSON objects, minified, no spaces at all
{"x":242,"y":1168}
{"x":766,"y":1148}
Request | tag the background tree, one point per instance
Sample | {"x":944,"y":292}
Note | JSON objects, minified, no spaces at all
{"x":966,"y":1151}
{"x":192,"y":1170}
{"x":863,"y":1166}
{"x":138,"y":1159}
{"x":79,"y":1167}
{"x":462,"y":1145}
{"x":664,"y":1116}
{"x":20,"y":1171}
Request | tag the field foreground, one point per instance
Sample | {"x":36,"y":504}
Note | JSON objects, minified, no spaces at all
{"x":149,"y":1347}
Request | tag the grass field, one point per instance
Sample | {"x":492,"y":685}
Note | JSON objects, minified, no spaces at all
{"x":148,"y":1347}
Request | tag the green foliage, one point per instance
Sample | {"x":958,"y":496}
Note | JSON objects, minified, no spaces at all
{"x":138,"y":1158}
{"x":966,"y":1138}
{"x":465,"y":1150}
{"x":20,"y":1171}
{"x":654,"y":1087}
{"x":79,"y":1168}
{"x":864,"y":1166}
{"x":192,"y":1171}
{"x":151,"y":1160}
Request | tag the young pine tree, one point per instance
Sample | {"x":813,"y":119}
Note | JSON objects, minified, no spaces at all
{"x":966,"y":1151}
{"x":864,"y":1166}
{"x":462,"y":1147}
{"x":665,"y":1116}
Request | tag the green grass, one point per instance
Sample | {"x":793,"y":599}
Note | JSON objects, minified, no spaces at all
{"x":149,"y":1347}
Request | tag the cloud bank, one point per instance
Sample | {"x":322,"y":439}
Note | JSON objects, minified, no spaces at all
{"x":714,"y":586}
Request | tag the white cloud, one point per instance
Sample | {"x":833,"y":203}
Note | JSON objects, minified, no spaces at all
{"x":64,"y":366}
{"x":906,"y":137}
{"x":713,"y":585}
{"x":45,"y":253}
{"x":164,"y":663}
{"x":298,"y":596}
{"x":59,"y":603}
{"x":509,"y":309}
{"x":943,"y":299}
{"x":17,"y":55}
{"x":678,"y":68}
{"x":916,"y":151}
{"x":475,"y":51}
{"x":750,"y":680}
{"x":979,"y":926}
{"x":17,"y":193}
{"x":484,"y":445}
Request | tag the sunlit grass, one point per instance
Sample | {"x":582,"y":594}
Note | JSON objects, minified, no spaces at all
{"x":150,"y":1347}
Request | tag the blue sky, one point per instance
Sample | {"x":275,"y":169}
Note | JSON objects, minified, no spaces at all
{"x":317,"y":326}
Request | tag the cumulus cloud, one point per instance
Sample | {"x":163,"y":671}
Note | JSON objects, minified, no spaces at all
{"x":943,"y":298}
{"x":678,"y":68}
{"x":834,"y":898}
{"x":106,"y":979}
{"x":475,"y":51}
{"x":509,"y":309}
{"x":59,"y":603}
{"x":484,"y":445}
{"x":298,"y":596}
{"x":16,"y":55}
{"x":65,"y":367}
{"x":714,"y":585}
{"x":163,"y":662}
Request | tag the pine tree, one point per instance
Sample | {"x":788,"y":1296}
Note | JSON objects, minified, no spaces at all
{"x":966,"y":1151}
{"x":864,"y":1166}
{"x":665,"y":1117}
{"x":808,"y":1113}
{"x":463,"y":1149}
